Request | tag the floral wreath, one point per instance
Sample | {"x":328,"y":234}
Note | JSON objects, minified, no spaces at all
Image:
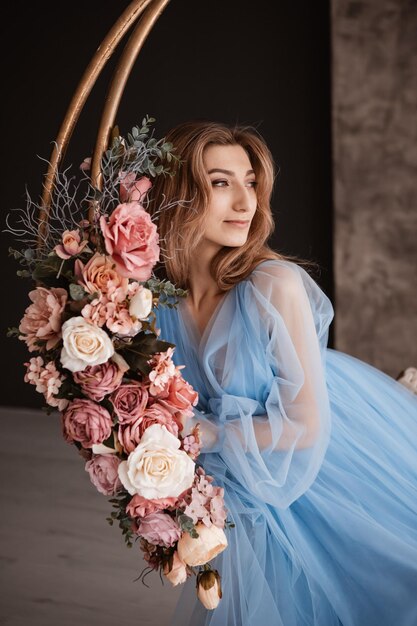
{"x":99,"y":361}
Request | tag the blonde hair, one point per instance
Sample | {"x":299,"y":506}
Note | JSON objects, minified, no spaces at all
{"x":178,"y":205}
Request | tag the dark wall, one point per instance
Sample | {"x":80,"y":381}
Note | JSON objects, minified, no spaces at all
{"x":227,"y":61}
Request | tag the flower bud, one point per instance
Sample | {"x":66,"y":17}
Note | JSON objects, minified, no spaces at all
{"x":141,"y":304}
{"x":175,"y":570}
{"x":209,"y":589}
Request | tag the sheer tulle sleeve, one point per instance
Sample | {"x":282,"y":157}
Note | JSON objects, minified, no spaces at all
{"x":276,"y":453}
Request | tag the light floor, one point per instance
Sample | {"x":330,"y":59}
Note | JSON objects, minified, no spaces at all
{"x":61,"y":562}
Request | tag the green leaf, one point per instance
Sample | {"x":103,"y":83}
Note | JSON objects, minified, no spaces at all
{"x":13,"y":332}
{"x":77,"y":292}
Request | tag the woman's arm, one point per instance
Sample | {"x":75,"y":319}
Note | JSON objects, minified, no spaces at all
{"x":281,"y":322}
{"x":298,"y":354}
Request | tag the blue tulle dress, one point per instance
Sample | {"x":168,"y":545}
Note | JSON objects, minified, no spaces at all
{"x":317,"y":453}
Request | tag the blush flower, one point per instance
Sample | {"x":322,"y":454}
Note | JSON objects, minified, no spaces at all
{"x":71,"y":244}
{"x":160,"y":529}
{"x":163,"y":369}
{"x":130,"y":401}
{"x":132,"y":189}
{"x":86,"y":422}
{"x":47,"y":379}
{"x":98,"y":381}
{"x":178,"y":397}
{"x":131,"y":433}
{"x":131,"y":239}
{"x":102,"y":469}
{"x":43,"y":318}
{"x":198,"y":551}
{"x":141,"y":507}
{"x":100,"y":275}
{"x":175,"y":570}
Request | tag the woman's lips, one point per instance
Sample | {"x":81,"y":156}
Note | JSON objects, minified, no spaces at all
{"x":239,"y":224}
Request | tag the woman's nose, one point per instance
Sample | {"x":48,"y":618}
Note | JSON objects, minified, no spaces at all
{"x":242,"y":198}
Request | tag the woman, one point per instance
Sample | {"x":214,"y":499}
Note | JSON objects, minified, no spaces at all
{"x":316,"y":450}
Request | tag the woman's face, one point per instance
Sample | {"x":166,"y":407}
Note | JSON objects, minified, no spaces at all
{"x":233,"y":194}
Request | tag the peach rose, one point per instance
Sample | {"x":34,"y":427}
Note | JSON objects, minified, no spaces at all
{"x":130,"y":401}
{"x":98,"y":381}
{"x":71,"y":244}
{"x":102,"y":469}
{"x":175,"y":570}
{"x":210,"y":542}
{"x":141,"y":507}
{"x":100,"y":275}
{"x":86,"y":422}
{"x":42,"y":320}
{"x":131,"y":239}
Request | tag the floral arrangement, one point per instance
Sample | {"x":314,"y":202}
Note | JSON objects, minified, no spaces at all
{"x":98,"y":359}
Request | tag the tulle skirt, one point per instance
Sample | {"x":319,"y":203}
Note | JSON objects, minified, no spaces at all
{"x":345,"y":552}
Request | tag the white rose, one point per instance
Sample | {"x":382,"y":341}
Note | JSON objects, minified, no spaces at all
{"x":156,"y":468}
{"x":141,"y":304}
{"x":84,"y":344}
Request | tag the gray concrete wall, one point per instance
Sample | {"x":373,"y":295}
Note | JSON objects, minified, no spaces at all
{"x":374,"y":49}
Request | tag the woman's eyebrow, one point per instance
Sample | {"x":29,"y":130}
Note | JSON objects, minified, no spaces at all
{"x":228,"y":172}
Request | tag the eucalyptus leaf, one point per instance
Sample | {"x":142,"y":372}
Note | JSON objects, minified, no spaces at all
{"x":76,"y":292}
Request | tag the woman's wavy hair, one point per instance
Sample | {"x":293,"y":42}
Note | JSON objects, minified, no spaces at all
{"x":178,"y":205}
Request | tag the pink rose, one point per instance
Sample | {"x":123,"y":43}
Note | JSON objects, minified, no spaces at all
{"x":43,"y":319}
{"x":181,"y":394}
{"x":131,"y":238}
{"x":178,"y":398}
{"x":71,"y":244}
{"x":86,"y":422}
{"x":141,"y":507}
{"x":100,"y":380}
{"x":99,"y":275}
{"x":157,"y":413}
{"x":160,"y":529}
{"x":131,"y":189}
{"x":102,"y":469}
{"x":130,"y":433}
{"x":130,"y":401}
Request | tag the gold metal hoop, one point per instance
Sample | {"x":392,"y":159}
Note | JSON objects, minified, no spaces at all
{"x":88,"y":80}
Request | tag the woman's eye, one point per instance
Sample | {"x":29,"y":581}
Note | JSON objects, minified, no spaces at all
{"x":253,"y":183}
{"x":219,"y":183}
